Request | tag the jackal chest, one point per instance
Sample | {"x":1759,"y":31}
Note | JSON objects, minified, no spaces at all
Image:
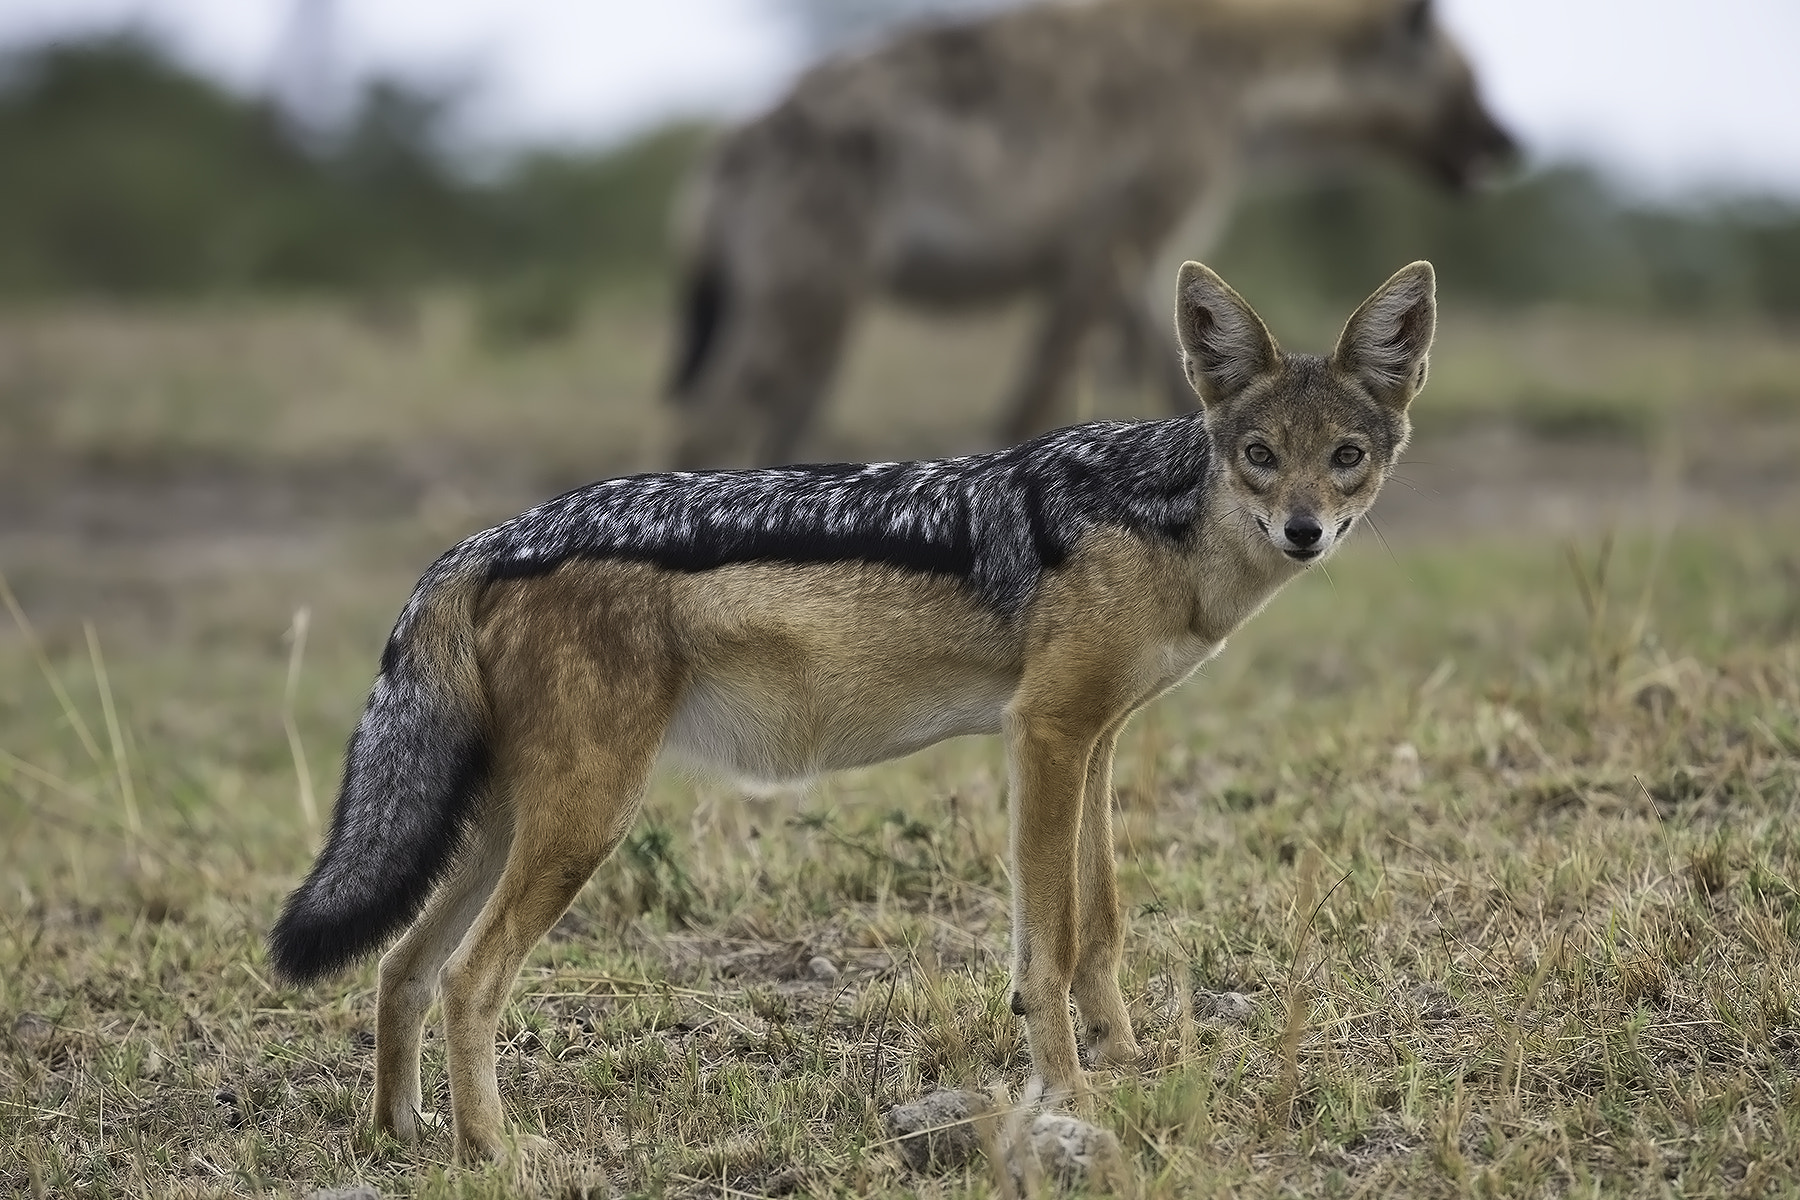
{"x":1166,"y":664}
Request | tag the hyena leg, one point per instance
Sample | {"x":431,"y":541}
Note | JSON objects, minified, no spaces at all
{"x":779,"y":352}
{"x":1036,"y":399}
{"x":1047,"y":768}
{"x":792,"y":255}
{"x":409,"y":973}
{"x":1148,"y":343}
{"x":573,"y":804}
{"x":1102,"y":927}
{"x":801,"y":362}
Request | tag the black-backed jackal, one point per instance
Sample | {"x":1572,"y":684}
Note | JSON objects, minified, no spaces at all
{"x":784,"y":622}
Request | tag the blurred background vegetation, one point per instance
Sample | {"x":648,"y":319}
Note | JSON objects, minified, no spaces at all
{"x":127,"y":174}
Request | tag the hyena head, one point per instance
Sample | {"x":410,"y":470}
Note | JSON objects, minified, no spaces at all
{"x":1304,"y":442}
{"x":1396,"y":82}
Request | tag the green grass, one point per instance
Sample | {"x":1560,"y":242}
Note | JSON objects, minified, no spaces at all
{"x":1492,"y":828}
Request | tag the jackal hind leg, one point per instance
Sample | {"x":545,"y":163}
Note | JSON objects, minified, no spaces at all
{"x":1101,"y":924}
{"x":1048,"y":764}
{"x":575,"y":792}
{"x":410,"y":971}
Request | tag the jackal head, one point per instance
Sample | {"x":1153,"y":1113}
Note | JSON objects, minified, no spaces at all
{"x":1304,"y":442}
{"x":1394,"y":81}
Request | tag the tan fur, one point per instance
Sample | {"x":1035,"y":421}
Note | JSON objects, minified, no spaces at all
{"x":1052,"y":151}
{"x":593,"y":671}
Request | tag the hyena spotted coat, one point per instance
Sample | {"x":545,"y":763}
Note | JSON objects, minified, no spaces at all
{"x":784,"y":622}
{"x":1052,"y":151}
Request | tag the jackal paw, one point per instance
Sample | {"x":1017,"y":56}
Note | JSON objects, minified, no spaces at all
{"x":405,"y":1124}
{"x":1069,"y":1095}
{"x":1119,"y":1053}
{"x":529,"y":1147}
{"x":517,"y":1149}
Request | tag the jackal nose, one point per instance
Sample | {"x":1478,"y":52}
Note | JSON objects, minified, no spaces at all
{"x":1302,"y":529}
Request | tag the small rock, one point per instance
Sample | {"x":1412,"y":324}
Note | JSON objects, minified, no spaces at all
{"x":1068,"y":1151}
{"x":1224,"y":1008}
{"x":942,"y":1131}
{"x":822,"y":969}
{"x":31,"y":1030}
{"x":356,"y":1191}
{"x":938,"y":1131}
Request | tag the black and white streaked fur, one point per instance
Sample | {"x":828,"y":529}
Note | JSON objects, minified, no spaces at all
{"x":995,"y":522}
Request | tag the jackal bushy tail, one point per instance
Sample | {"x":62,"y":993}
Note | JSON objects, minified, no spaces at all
{"x":414,"y":768}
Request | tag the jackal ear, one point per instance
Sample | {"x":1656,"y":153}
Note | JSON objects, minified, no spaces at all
{"x":1386,"y":342}
{"x":1224,"y":344}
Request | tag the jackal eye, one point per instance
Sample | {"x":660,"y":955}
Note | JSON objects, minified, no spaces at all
{"x":1347,"y":456}
{"x":1259,"y":455}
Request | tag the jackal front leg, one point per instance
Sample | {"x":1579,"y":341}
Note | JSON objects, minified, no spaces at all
{"x":1048,"y":762}
{"x":1102,"y":926}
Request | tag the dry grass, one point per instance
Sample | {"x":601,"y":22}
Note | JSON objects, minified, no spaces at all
{"x":1494,"y":830}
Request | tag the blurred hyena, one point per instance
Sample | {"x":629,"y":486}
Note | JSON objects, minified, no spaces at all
{"x":1049,"y":150}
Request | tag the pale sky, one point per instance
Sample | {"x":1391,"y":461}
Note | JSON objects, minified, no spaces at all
{"x":1674,"y":95}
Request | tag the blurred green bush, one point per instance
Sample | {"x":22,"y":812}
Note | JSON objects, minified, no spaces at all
{"x":122,"y":173}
